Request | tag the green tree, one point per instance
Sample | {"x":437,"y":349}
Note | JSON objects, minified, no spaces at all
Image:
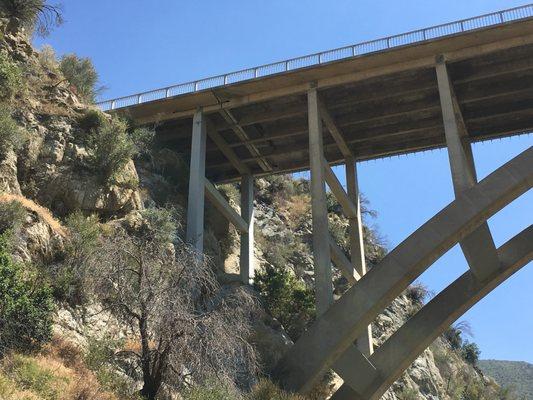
{"x":25,"y":306}
{"x":471,"y":353}
{"x":286,"y":298}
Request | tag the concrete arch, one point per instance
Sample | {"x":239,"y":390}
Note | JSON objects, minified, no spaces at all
{"x":408,"y":342}
{"x":326,"y":341}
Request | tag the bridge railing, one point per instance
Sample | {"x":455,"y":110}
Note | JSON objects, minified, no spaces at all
{"x":421,"y":35}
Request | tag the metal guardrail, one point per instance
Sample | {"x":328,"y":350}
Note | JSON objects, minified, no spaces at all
{"x":421,"y":35}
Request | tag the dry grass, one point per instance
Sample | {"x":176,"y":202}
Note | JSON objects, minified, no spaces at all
{"x":41,"y":211}
{"x":57,"y":373}
{"x":298,"y":206}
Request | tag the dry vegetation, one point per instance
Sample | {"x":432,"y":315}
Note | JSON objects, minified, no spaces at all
{"x":41,"y":211}
{"x":56,"y":373}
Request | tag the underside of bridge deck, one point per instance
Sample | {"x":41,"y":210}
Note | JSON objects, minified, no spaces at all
{"x":385,"y":103}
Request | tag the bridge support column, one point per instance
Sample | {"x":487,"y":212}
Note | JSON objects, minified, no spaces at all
{"x":357,"y":249}
{"x":247,"y":238}
{"x":478,"y":248}
{"x":321,"y":250}
{"x":195,"y":204}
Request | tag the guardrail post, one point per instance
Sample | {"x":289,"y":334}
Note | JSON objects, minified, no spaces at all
{"x":167,"y":92}
{"x":500,"y":14}
{"x":113,"y":103}
{"x":139,"y":98}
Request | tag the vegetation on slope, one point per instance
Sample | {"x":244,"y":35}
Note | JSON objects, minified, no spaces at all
{"x":513,"y":375}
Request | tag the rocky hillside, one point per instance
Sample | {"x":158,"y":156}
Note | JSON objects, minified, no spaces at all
{"x":515,"y":375}
{"x":76,"y":185}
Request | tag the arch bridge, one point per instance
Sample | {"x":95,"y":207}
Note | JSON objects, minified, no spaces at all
{"x":441,"y":87}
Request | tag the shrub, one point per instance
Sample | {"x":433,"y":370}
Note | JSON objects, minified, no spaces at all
{"x":31,"y":14}
{"x":143,"y":139}
{"x":10,"y":77}
{"x":408,"y":394}
{"x":47,"y":58}
{"x":25,"y":307}
{"x":286,"y":298}
{"x":66,"y":277}
{"x":453,"y":337}
{"x":82,"y":75}
{"x":417,"y":293}
{"x":12,"y":137}
{"x":92,"y":120}
{"x":266,"y":390}
{"x":212,"y":391}
{"x":12,"y":216}
{"x":110,"y":148}
{"x":470,"y":352}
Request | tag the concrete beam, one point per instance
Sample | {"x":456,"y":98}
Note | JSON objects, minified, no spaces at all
{"x":408,"y":342}
{"x":355,"y":369}
{"x":195,"y":203}
{"x":302,"y":367}
{"x":321,"y":252}
{"x":247,"y":269}
{"x":348,"y":206}
{"x":228,"y":152}
{"x":478,"y":248}
{"x":334,"y":130}
{"x":242,"y":135}
{"x":220,"y":203}
{"x":357,"y":247}
{"x":341,"y":261}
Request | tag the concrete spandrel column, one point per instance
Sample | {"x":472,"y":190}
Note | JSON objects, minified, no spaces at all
{"x":357,"y":249}
{"x":321,"y":250}
{"x":195,"y":204}
{"x":247,"y":239}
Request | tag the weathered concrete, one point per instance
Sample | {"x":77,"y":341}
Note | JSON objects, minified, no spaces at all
{"x":220,"y":203}
{"x":478,"y":247}
{"x":357,"y":248}
{"x":324,"y":342}
{"x":321,"y":251}
{"x":195,"y":204}
{"x":342,"y":263}
{"x":402,"y":348}
{"x":247,"y":238}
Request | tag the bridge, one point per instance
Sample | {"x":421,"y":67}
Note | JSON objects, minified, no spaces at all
{"x":441,"y":87}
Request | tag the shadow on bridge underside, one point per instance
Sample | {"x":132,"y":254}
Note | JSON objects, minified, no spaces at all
{"x":328,"y":343}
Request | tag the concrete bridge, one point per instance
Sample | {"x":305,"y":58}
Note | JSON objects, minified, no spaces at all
{"x":445,"y":86}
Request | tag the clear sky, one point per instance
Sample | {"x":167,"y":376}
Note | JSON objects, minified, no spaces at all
{"x":140,"y":45}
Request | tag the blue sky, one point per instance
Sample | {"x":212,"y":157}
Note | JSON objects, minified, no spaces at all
{"x":139,"y":45}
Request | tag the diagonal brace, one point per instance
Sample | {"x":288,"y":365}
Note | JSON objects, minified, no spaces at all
{"x":220,"y":203}
{"x":478,"y":247}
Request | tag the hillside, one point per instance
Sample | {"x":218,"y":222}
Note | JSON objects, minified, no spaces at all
{"x":517,"y":375}
{"x":102,"y":298}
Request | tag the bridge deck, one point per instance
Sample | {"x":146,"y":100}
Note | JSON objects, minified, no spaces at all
{"x":385,"y":103}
